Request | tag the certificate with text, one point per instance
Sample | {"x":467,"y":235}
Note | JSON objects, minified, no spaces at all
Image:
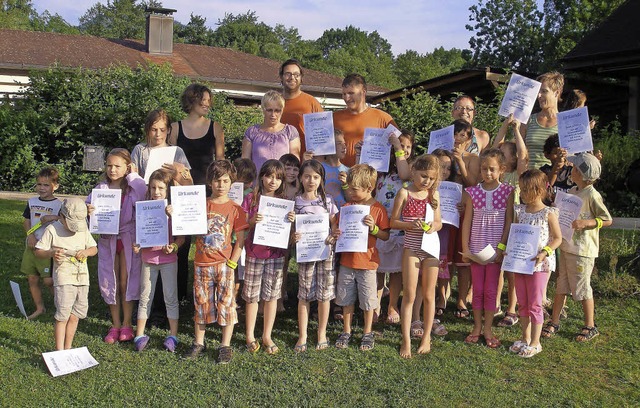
{"x":68,"y":361}
{"x":236,"y":192}
{"x":519,"y":98}
{"x":157,"y":157}
{"x":430,"y":242}
{"x":354,"y":233}
{"x":569,"y":207}
{"x":314,"y":230}
{"x":522,"y":248}
{"x":318,"y":133}
{"x":189,"y":216}
{"x":450,"y":197}
{"x":105,"y":218}
{"x":574,"y":131}
{"x":441,"y":139}
{"x":152,"y":223}
{"x":274,"y":229}
{"x":376,"y":149}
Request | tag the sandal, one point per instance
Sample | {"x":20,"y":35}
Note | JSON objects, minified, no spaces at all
{"x":323,"y":346}
{"x":342,"y":342}
{"x":272,"y":350}
{"x":225,"y":353}
{"x":461,"y":313}
{"x":529,"y":351}
{"x":440,"y":311}
{"x":492,"y":342}
{"x":518,"y":346}
{"x":550,"y":329}
{"x":368,"y":342}
{"x":112,"y":335}
{"x":472,"y":339}
{"x":300,"y":348}
{"x":508,"y":320}
{"x":587,"y":333}
{"x":253,"y":346}
{"x":438,"y":328}
{"x":417,"y":329}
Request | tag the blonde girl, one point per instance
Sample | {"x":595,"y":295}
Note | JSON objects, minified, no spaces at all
{"x":264,"y":264}
{"x":118,"y":265}
{"x":409,"y":212}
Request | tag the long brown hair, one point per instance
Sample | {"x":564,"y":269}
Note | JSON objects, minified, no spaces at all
{"x":271,"y":166}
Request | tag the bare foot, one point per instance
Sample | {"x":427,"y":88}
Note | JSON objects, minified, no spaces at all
{"x":405,"y":348}
{"x":424,"y":348}
{"x":36,"y":314}
{"x":280,"y":308}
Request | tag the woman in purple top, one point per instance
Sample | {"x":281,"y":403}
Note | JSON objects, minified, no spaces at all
{"x":272,"y":138}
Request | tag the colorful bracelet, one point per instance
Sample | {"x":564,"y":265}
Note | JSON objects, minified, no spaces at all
{"x":502,"y":246}
{"x":34,"y":228}
{"x":231,"y":264}
{"x":375,"y":230}
{"x":174,"y":247}
{"x":399,"y":153}
{"x":345,"y":186}
{"x":548,"y":250}
{"x":425,"y":227}
{"x":598,"y":222}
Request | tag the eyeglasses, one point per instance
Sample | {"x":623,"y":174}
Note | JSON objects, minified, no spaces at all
{"x":295,"y":75}
{"x":463,"y":108}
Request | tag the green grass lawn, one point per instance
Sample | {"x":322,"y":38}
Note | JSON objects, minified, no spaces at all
{"x":603,"y":372}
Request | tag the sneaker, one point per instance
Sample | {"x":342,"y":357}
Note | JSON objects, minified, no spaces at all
{"x":195,"y":351}
{"x":170,"y":343}
{"x":140,"y":342}
{"x":225,"y":353}
{"x":126,"y":334}
{"x":112,"y":335}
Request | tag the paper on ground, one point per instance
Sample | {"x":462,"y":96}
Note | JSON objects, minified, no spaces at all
{"x":68,"y":361}
{"x":15,"y":288}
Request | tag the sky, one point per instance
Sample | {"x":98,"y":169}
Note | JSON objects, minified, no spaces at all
{"x":420,"y":25}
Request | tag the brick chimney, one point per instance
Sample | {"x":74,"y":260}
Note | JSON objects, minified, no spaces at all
{"x":159,"y":33}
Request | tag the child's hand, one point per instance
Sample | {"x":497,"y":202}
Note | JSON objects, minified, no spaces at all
{"x":342,"y":176}
{"x":458,"y":152}
{"x":136,"y":248}
{"x":369,"y":222}
{"x":429,"y":224}
{"x":58,"y":254}
{"x":579,"y":225}
{"x":90,"y":209}
{"x":46,"y":219}
{"x":256,"y":219}
{"x":358,"y":147}
{"x":592,"y":124}
{"x":460,"y":208}
{"x":330,"y":240}
{"x":31,"y":241}
{"x":169,"y":210}
{"x":335,"y":234}
{"x":307,"y":155}
{"x":132,"y":168}
{"x":297,"y":236}
{"x":167,"y":249}
{"x":395,"y":142}
{"x":81,"y":255}
{"x":540,"y":257}
{"x":499,"y":256}
{"x":291,"y":216}
{"x":417,"y":224}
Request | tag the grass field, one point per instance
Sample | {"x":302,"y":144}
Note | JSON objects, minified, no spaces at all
{"x":603,"y":372}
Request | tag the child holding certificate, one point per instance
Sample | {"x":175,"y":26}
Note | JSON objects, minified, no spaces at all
{"x":215,"y":260}
{"x":530,"y":289}
{"x":265,"y":264}
{"x":357,"y":277}
{"x":409,"y":213}
{"x":316,"y":280}
{"x":488,"y":212}
{"x":161,"y":261}
{"x":291,"y":170}
{"x":118,"y":266}
{"x":578,"y":255}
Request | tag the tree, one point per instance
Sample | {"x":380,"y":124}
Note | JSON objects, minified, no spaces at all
{"x":21,"y":15}
{"x":412,"y":67}
{"x":117,"y":19}
{"x":195,"y":32}
{"x":243,"y":32}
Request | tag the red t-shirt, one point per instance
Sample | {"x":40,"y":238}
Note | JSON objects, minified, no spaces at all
{"x":222,"y":220}
{"x":370,"y":259}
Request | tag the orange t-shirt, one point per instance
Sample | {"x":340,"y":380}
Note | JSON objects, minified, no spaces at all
{"x":295,"y":108}
{"x":353,"y":127}
{"x":368,"y":260}
{"x":222,"y":220}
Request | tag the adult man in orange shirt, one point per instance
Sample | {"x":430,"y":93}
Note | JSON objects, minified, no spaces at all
{"x":357,"y":115}
{"x":296,"y":102}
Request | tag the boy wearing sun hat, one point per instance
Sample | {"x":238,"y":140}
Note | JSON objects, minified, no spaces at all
{"x":69,"y":243}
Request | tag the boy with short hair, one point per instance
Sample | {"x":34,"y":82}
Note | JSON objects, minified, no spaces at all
{"x":559,"y":171}
{"x":69,"y":243}
{"x":357,"y":275}
{"x":39,"y":212}
{"x":578,"y":256}
{"x":336,"y":172}
{"x":215,"y":260}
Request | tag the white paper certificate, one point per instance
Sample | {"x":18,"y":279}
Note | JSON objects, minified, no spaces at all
{"x":450,"y":196}
{"x":522,"y":247}
{"x":441,"y":139}
{"x":152,"y":223}
{"x":314,"y":229}
{"x":430,"y":242}
{"x":318,"y":133}
{"x":236,"y":192}
{"x":569,"y":206}
{"x":376,"y":149}
{"x":355,"y":234}
{"x":275,"y":228}
{"x":520,"y":97}
{"x":157,"y":157}
{"x":68,"y":361}
{"x":15,"y":288}
{"x":189,"y":215}
{"x":105,"y":218}
{"x":574,"y":131}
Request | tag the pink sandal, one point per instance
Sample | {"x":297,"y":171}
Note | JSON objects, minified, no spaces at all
{"x":112,"y":335}
{"x":126,"y":334}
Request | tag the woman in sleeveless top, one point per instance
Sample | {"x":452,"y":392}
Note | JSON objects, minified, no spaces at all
{"x":464,"y":108}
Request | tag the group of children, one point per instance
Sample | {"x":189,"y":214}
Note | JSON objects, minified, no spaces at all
{"x":404,"y":205}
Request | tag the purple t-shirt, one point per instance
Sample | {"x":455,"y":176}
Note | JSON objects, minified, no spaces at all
{"x":315,"y":206}
{"x":266,"y":145}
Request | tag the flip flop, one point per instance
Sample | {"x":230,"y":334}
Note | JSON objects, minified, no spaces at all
{"x":492,"y":342}
{"x":461,"y":313}
{"x":253,"y":346}
{"x":273,"y":349}
{"x":472,"y":339}
{"x":300,"y":348}
{"x":323,"y":345}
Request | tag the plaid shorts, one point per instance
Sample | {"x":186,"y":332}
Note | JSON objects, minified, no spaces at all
{"x":317,"y":280}
{"x":213,"y":288}
{"x":262,"y":279}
